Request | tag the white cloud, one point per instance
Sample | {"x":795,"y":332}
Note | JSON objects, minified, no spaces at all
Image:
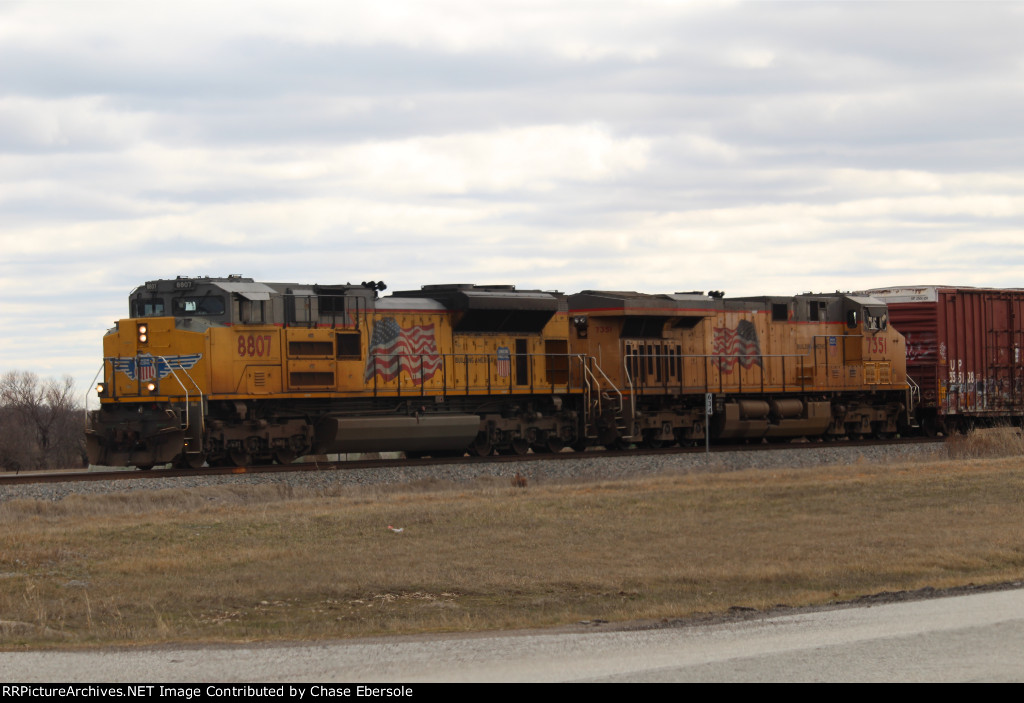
{"x":751,"y":57}
{"x":531,"y":158}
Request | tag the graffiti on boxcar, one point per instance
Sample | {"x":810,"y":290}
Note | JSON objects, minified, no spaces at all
{"x":921,"y":348}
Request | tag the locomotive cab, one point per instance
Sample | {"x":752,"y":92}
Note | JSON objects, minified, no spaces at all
{"x":870,"y":313}
{"x":202,"y":300}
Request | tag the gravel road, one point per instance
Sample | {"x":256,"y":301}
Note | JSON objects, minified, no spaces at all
{"x":971,"y":637}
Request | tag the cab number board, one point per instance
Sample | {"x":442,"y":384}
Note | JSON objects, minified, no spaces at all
{"x":254,"y":345}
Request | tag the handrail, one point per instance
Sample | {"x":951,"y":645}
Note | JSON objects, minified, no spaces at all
{"x":174,"y":371}
{"x":467,"y":360}
{"x":591,"y":381}
{"x":914,"y":392}
{"x":717,"y":358}
{"x":610,"y":383}
{"x":188,"y":424}
{"x":587,"y":391}
{"x":632,"y":391}
{"x":588,"y":370}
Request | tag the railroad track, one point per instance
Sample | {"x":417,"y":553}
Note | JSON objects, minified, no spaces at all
{"x":81,"y":475}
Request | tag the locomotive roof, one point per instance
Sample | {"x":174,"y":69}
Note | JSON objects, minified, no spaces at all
{"x":252,"y":291}
{"x":858,"y":298}
{"x":399,"y":303}
{"x":633,"y":302}
{"x":865,"y":300}
{"x":465,"y":296}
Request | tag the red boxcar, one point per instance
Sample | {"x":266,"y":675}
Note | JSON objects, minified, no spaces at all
{"x":963,"y":351}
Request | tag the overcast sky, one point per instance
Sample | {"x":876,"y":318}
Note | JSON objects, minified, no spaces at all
{"x":755,"y":148}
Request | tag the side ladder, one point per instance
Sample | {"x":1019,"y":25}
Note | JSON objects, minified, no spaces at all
{"x":602,"y":400}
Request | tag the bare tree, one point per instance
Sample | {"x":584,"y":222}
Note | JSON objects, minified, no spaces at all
{"x":64,"y":443}
{"x":40,"y":422}
{"x":18,"y":397}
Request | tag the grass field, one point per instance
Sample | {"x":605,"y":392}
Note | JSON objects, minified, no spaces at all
{"x":248,"y":563}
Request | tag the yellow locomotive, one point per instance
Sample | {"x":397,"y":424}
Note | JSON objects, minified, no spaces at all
{"x":234,"y":371}
{"x":775,"y":367}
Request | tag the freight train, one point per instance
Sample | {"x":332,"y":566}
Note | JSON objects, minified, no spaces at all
{"x":231,"y":371}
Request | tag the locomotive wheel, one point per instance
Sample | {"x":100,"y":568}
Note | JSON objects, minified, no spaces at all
{"x":649,"y":441}
{"x":284,"y":456}
{"x":190,"y":461}
{"x":878,"y":431}
{"x":682,"y":438}
{"x":518,"y":447}
{"x":481,"y":446}
{"x":552,"y":444}
{"x":476,"y":450}
{"x":239,"y":458}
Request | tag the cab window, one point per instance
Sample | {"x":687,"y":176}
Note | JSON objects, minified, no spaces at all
{"x":877,"y":319}
{"x":205,"y":305}
{"x":251,"y":311}
{"x":147,"y":307}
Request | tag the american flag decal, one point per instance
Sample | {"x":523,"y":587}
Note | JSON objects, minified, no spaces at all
{"x":394,"y":349}
{"x":735,"y":345}
{"x":504,"y":362}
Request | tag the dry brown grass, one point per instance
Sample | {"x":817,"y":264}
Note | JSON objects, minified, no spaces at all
{"x":241,"y":563}
{"x":991,"y":442}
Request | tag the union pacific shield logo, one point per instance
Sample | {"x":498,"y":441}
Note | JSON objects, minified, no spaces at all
{"x":146,"y":367}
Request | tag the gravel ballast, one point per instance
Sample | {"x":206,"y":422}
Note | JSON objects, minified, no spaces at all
{"x":591,"y":466}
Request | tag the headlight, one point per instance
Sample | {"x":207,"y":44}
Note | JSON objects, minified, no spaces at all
{"x":150,"y":386}
{"x":100,"y":388}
